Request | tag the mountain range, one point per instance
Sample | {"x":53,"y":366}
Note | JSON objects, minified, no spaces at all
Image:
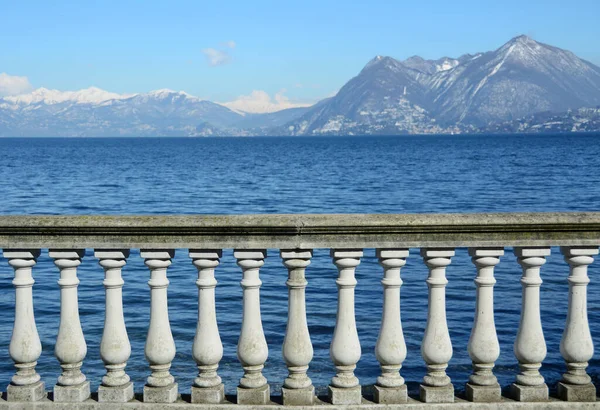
{"x":521,"y":82}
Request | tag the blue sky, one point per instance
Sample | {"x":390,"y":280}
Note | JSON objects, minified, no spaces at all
{"x":307,"y":48}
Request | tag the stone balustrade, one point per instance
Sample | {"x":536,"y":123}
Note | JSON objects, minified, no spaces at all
{"x":487,"y":237}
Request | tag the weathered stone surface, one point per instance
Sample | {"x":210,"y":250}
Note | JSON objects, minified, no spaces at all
{"x":119,"y":394}
{"x":298,"y":397}
{"x":32,"y":392}
{"x":167,"y":394}
{"x":529,"y":393}
{"x":72,"y":394}
{"x":349,"y":395}
{"x":571,"y":392}
{"x":300,"y":231}
{"x":261,"y":395}
{"x":430,"y":394}
{"x":208,"y":395}
{"x":483,"y":394}
{"x":390,"y":395}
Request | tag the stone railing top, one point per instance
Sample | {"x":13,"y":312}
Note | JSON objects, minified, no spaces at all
{"x":300,"y":230}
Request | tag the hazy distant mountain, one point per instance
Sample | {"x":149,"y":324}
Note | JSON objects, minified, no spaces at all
{"x":472,"y":93}
{"x":94,"y":112}
{"x":269,"y":120}
{"x":456,"y":95}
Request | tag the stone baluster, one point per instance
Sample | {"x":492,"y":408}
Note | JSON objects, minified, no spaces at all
{"x":530,"y":346}
{"x":483,"y":346}
{"x":25,"y":347}
{"x":436,"y":347}
{"x":297,"y":348}
{"x":252,"y":347}
{"x":207,"y":349}
{"x":114,"y":347}
{"x":576,"y":344}
{"x":160,"y":386}
{"x":390,"y":349}
{"x":70,"y":349}
{"x":345,"y":346}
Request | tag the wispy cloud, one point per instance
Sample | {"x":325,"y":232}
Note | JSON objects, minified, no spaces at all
{"x":259,"y":101}
{"x":13,"y":85}
{"x":216,"y":57}
{"x":229,"y":44}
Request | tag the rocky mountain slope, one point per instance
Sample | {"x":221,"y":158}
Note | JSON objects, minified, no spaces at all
{"x":456,"y":95}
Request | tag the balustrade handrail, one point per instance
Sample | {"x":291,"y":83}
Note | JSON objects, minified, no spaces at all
{"x":300,"y":231}
{"x":205,"y":236}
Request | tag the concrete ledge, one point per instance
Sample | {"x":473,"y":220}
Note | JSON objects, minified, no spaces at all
{"x":320,"y":404}
{"x":300,"y":231}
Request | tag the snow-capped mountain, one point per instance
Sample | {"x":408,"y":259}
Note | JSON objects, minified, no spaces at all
{"x":455,"y":95}
{"x":471,"y":93}
{"x":92,"y":95}
{"x":94,"y":112}
{"x":520,"y":78}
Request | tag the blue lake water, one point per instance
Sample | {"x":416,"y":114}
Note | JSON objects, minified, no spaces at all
{"x":433,"y":174}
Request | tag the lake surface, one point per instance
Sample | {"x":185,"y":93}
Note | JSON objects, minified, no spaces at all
{"x":432,"y":174}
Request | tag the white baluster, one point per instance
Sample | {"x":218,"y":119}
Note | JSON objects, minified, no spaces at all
{"x":345,"y":346}
{"x":160,"y":347}
{"x":436,"y":347}
{"x":483,"y":346}
{"x":207,"y":349}
{"x":576,"y":345}
{"x":530,"y":346}
{"x":25,"y":346}
{"x":252,"y":347}
{"x":70,"y":349}
{"x":297,"y":348}
{"x":390,"y":349}
{"x":114,"y":347}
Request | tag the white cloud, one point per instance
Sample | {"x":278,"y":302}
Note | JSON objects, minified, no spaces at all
{"x":216,"y":57}
{"x":229,"y":44}
{"x":259,"y":101}
{"x":13,"y":85}
{"x":222,"y":56}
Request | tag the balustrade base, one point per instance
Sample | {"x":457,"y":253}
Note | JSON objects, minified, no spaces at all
{"x":260,"y":395}
{"x":529,"y":393}
{"x":431,"y":394}
{"x":208,"y":395}
{"x":572,"y":392}
{"x":390,"y":395}
{"x":72,"y":394}
{"x":298,"y":397}
{"x":348,"y":395}
{"x":118,"y":394}
{"x":166,"y":394}
{"x":32,"y":392}
{"x":483,"y":394}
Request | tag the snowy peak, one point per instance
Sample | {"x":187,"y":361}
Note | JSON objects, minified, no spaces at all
{"x":524,"y":41}
{"x":168,"y":93}
{"x":431,"y":66}
{"x":91,"y":95}
{"x":382,"y":62}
